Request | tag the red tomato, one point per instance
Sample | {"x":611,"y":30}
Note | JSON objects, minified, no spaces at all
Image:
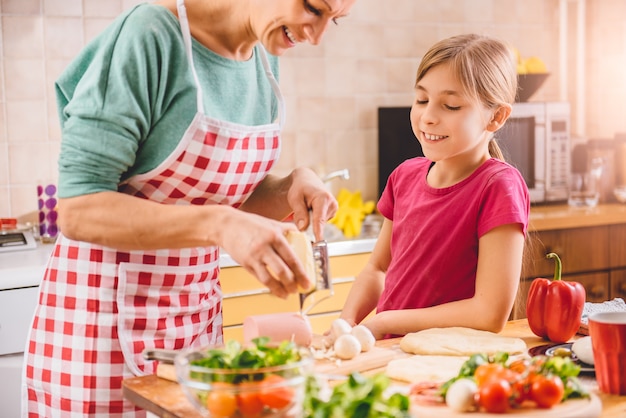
{"x":248,"y":400}
{"x":520,"y":365}
{"x":494,"y":395}
{"x":486,"y":372}
{"x":547,"y":391}
{"x":221,"y":402}
{"x":279,"y":395}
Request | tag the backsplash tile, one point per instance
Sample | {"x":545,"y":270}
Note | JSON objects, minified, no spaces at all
{"x":332,"y":90}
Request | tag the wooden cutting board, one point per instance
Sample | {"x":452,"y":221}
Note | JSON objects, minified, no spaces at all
{"x":376,"y":358}
{"x":575,"y":408}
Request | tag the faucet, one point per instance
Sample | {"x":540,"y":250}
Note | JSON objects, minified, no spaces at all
{"x":344,"y":174}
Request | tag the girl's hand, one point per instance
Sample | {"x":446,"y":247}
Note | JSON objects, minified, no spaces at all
{"x":308,"y":193}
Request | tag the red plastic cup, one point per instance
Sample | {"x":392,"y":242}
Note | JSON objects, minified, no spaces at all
{"x":608,"y":339}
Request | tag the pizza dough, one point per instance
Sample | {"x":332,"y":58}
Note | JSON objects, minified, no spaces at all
{"x":421,"y":368}
{"x":459,"y":341}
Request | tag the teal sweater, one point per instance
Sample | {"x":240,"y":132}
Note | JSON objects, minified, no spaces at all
{"x":127,"y":99}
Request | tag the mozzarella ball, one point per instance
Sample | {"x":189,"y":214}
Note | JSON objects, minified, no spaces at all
{"x":347,"y":347}
{"x":461,"y":395}
{"x":338,"y":328}
{"x":365,"y":337}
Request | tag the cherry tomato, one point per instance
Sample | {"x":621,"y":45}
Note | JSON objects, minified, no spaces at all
{"x":494,"y":395}
{"x":521,"y":391}
{"x":486,"y":372}
{"x":520,"y":365}
{"x":221,"y":402}
{"x":546,"y":391}
{"x":279,"y":395}
{"x":248,"y":400}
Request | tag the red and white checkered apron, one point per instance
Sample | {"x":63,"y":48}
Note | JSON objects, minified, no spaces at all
{"x":99,"y":307}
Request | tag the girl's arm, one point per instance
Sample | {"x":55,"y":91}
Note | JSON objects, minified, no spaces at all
{"x":497,"y":280}
{"x":368,"y":285}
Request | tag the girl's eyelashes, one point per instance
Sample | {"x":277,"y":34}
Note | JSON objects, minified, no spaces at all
{"x":449,"y":107}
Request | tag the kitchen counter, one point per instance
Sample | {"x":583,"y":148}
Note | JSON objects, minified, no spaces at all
{"x":550,"y":217}
{"x":14,"y":265}
{"x":165,"y":398}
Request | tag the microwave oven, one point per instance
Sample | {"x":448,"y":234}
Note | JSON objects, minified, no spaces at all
{"x":535,"y":139}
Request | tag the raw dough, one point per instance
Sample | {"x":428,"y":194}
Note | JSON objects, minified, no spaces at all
{"x":420,"y":368}
{"x":459,"y":341}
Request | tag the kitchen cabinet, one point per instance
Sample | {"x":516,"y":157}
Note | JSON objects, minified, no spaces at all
{"x":591,"y":245}
{"x":244,"y":295}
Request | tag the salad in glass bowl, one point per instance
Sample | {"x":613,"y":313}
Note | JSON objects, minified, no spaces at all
{"x":257,"y":380}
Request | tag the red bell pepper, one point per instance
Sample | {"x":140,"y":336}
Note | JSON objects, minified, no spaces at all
{"x":554,"y":307}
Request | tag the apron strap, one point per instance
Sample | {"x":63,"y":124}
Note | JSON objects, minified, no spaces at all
{"x":279,"y":96}
{"x":184,"y":25}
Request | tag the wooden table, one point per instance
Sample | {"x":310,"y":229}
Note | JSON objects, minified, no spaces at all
{"x":165,"y":398}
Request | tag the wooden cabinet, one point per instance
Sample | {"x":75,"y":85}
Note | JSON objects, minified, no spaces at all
{"x":594,"y":256}
{"x":244,"y":295}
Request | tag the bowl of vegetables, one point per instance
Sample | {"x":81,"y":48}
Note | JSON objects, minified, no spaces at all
{"x":256,"y":380}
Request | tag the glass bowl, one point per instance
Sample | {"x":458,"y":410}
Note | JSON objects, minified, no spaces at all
{"x":273,"y":391}
{"x":620,"y":193}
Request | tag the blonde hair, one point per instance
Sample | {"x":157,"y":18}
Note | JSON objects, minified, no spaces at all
{"x":484,"y":67}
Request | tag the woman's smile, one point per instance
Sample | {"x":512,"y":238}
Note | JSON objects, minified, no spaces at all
{"x":292,"y":39}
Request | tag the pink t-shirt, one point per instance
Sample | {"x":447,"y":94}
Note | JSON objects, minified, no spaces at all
{"x":434,"y":242}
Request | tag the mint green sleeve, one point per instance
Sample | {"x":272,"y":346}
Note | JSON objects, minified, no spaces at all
{"x":109,"y":98}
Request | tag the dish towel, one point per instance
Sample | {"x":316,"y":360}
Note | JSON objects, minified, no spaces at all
{"x":615,"y":305}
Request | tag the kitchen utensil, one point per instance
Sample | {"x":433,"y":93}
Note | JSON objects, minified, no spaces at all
{"x":322,"y":279}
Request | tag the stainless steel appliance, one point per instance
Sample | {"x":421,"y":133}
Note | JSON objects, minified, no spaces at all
{"x":536,"y":140}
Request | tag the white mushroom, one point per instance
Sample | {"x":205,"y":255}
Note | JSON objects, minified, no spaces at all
{"x":338,"y":328}
{"x":365,"y":337}
{"x":347,"y":347}
{"x":461,"y":394}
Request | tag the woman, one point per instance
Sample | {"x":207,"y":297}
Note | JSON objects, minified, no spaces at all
{"x":169,"y":133}
{"x":450,"y":249}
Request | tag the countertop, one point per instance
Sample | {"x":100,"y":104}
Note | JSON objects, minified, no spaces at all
{"x":165,"y":398}
{"x":564,"y":216}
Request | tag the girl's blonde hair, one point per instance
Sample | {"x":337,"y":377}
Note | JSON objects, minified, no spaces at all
{"x":484,"y":66}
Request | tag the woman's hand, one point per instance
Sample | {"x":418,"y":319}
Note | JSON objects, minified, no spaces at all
{"x":260,"y":246}
{"x":308,"y":193}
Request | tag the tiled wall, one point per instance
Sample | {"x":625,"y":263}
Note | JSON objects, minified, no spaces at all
{"x":332,"y":90}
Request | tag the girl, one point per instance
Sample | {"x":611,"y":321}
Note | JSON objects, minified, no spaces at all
{"x":450,"y":249}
